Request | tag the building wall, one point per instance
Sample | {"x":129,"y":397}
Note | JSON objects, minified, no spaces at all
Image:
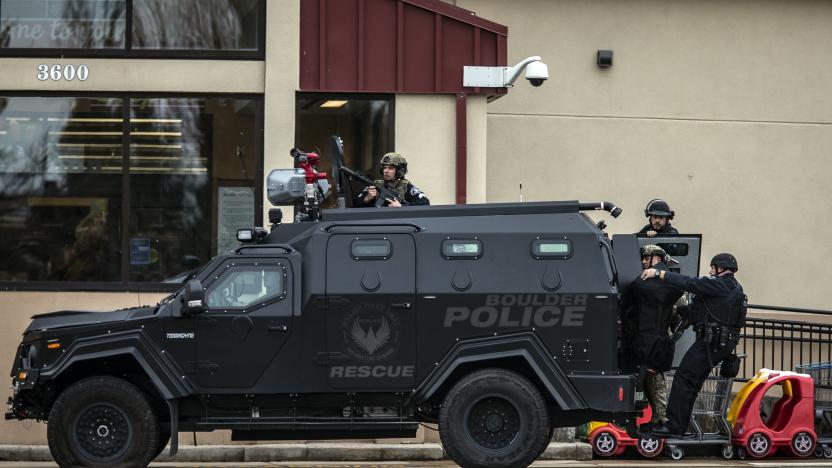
{"x":425,"y":134}
{"x":722,"y":108}
{"x":280,"y":83}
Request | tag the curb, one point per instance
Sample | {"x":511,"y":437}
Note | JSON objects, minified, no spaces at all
{"x":319,"y":451}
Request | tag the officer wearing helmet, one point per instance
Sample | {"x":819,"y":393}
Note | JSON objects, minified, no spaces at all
{"x":652,"y":346}
{"x":393,"y":167}
{"x":658,"y":214}
{"x":717,"y":313}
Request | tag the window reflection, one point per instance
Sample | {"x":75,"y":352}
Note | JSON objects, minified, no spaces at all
{"x":245,"y":287}
{"x":196,"y":24}
{"x":62,"y":24}
{"x":174,"y":179}
{"x":190,"y":178}
{"x":60,"y":189}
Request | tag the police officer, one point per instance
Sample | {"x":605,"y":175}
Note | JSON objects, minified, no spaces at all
{"x":393,"y":167}
{"x":717,"y":313}
{"x":652,"y":346}
{"x":658,"y":214}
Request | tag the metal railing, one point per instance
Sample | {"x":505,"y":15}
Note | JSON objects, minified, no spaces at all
{"x":783,"y":344}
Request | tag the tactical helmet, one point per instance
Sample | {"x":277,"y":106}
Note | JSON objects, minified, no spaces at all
{"x":725,"y":260}
{"x":658,"y":207}
{"x":396,"y":160}
{"x":652,"y":250}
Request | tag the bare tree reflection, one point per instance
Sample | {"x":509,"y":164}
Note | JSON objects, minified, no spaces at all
{"x":176,"y":186}
{"x":67,"y":24}
{"x":193,"y":24}
{"x":55,"y":215}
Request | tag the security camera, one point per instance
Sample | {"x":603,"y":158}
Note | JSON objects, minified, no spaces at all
{"x":537,"y":72}
{"x":498,"y":77}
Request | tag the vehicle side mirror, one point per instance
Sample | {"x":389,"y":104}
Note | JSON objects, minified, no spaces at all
{"x":192,"y":298}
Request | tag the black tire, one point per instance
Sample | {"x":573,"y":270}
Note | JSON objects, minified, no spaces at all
{"x":164,"y":438}
{"x":102,"y":422}
{"x":494,"y":418}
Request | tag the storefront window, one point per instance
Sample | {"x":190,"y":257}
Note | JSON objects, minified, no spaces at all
{"x":60,"y":189}
{"x":62,"y":24}
{"x":196,"y":24}
{"x":155,"y":27}
{"x":188,"y":181}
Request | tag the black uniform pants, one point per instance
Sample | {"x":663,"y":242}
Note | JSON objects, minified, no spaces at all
{"x":687,"y":382}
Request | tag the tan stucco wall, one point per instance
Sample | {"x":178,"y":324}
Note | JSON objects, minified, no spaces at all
{"x":114,"y":75}
{"x":477,"y":122}
{"x":280,"y":82}
{"x":721,"y":107}
{"x":425,"y":135}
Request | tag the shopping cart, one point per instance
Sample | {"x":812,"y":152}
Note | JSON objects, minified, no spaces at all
{"x":708,"y":423}
{"x":821,"y":373}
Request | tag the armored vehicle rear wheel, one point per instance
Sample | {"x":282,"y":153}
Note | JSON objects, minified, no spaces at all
{"x":102,"y":421}
{"x":494,"y":418}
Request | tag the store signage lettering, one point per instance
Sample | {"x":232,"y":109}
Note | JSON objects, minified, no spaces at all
{"x":63,"y":72}
{"x":62,"y":30}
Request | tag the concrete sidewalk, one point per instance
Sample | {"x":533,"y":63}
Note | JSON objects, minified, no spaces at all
{"x":309,"y":451}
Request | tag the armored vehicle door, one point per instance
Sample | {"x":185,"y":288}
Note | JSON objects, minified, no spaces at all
{"x":247,"y":320}
{"x":685,"y":250}
{"x":370,"y":317}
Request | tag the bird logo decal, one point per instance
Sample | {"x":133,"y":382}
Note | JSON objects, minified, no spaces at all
{"x":370,"y":340}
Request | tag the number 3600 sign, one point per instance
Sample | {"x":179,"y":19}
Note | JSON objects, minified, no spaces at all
{"x":63,"y":72}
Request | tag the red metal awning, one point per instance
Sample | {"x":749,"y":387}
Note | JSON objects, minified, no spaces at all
{"x":395,"y":46}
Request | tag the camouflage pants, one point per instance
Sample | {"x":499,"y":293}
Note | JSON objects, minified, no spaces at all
{"x":656,"y":390}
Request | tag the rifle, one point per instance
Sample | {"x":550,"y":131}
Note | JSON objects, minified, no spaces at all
{"x":339,"y":170}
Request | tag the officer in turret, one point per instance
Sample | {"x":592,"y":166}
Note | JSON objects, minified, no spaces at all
{"x":658,"y":214}
{"x":393,"y":167}
{"x":717,"y":313}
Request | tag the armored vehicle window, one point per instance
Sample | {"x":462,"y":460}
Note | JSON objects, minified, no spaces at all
{"x":675,"y":249}
{"x":551,"y":248}
{"x":371,"y":249}
{"x":462,"y":248}
{"x":242,"y":287}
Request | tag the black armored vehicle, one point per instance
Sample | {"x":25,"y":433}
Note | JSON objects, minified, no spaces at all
{"x":499,"y":322}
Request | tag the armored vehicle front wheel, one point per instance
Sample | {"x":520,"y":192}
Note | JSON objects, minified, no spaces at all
{"x":164,"y":438}
{"x":102,"y":421}
{"x":494,"y":418}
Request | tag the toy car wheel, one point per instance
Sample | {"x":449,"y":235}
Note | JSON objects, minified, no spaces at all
{"x":649,"y":446}
{"x":494,"y":417}
{"x":803,"y":444}
{"x":727,"y":452}
{"x":758,"y":445}
{"x":676,"y":453}
{"x":102,"y":421}
{"x":604,"y":444}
